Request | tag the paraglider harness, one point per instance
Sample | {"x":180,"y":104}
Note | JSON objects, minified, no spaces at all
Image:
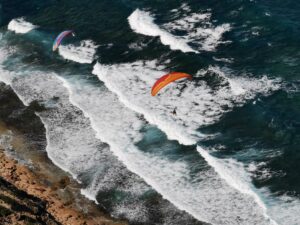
{"x":174,"y":111}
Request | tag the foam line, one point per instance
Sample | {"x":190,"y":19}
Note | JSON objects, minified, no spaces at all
{"x":131,"y":83}
{"x":200,"y":32}
{"x":235,"y":175}
{"x":71,"y":142}
{"x":143,"y":23}
{"x":119,"y":127}
{"x":84,"y":53}
{"x":20,"y":26}
{"x":205,"y":196}
{"x":196,"y":103}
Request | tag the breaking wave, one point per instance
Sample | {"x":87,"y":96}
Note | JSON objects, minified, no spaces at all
{"x":197,"y":104}
{"x":84,"y":53}
{"x":19,"y":25}
{"x":200,"y":33}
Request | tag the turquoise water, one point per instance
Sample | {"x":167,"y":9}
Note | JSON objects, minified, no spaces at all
{"x":140,"y":162}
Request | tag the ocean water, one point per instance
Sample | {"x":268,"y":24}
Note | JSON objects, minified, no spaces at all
{"x":229,"y":155}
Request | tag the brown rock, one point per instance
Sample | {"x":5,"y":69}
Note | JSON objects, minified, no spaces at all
{"x":61,"y":211}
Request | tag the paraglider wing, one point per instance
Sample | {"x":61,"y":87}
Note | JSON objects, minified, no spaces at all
{"x":166,"y":79}
{"x":60,"y":37}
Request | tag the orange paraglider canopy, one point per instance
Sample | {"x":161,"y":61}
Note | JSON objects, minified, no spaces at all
{"x":166,"y":79}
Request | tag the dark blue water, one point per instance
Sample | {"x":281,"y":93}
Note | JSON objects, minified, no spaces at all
{"x":260,"y":130}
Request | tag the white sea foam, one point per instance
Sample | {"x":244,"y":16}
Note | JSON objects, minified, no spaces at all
{"x":6,"y":76}
{"x":223,"y":60}
{"x":199,"y":29}
{"x":281,"y":209}
{"x":85,"y":53}
{"x":71,"y":142}
{"x":142,"y":22}
{"x":6,"y":139}
{"x":70,"y":139}
{"x":205,"y":196}
{"x":197,"y":26}
{"x":212,"y":36}
{"x":285,"y":209}
{"x":196,"y":103}
{"x":19,"y":25}
{"x":235,"y":175}
{"x":131,"y":83}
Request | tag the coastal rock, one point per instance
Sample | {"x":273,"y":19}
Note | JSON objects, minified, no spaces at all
{"x":24,"y":200}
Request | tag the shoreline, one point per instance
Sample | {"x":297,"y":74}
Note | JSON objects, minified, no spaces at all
{"x":25,"y":168}
{"x":25,"y":140}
